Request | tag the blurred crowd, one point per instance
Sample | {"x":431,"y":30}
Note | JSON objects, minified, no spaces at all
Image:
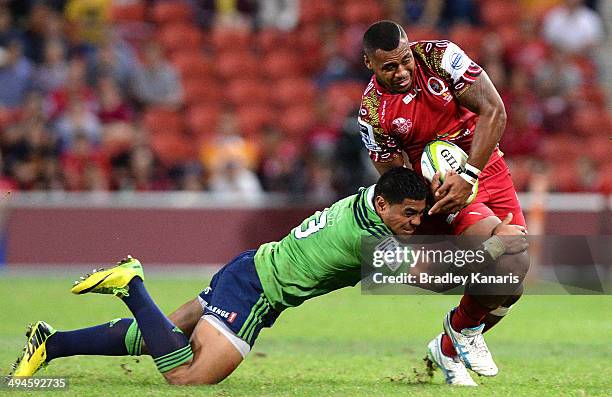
{"x":253,"y":96}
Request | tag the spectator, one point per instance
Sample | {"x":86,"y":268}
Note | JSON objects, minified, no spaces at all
{"x":156,"y":82}
{"x":279,"y":14}
{"x":77,"y":120}
{"x":7,"y":31}
{"x":114,"y":59}
{"x":113,"y":107}
{"x":15,"y":75}
{"x":75,"y":89}
{"x":53,"y":72}
{"x":84,"y":166}
{"x":235,"y":178}
{"x":573,"y":16}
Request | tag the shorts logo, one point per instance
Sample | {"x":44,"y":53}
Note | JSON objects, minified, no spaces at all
{"x":232,"y":317}
{"x":401,"y":125}
{"x":219,"y":312}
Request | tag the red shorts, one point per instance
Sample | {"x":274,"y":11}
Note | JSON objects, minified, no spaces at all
{"x":496,"y":197}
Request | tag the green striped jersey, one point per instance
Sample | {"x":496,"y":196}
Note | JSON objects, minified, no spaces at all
{"x":320,"y":255}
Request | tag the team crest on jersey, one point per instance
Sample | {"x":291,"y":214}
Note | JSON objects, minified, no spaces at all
{"x":438,"y":88}
{"x":401,"y":125}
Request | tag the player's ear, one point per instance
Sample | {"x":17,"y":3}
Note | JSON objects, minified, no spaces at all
{"x":367,"y":62}
{"x":380,"y":204}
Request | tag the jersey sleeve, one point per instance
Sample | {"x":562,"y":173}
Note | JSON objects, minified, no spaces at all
{"x":450,"y":62}
{"x":381,"y":144}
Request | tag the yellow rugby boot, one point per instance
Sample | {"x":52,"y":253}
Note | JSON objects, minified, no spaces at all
{"x":111,"y":281}
{"x":34,"y":353}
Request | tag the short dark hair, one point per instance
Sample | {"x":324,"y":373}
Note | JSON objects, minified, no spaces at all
{"x":384,"y":35}
{"x":401,"y":183}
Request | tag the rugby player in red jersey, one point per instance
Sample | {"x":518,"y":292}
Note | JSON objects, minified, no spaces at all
{"x":429,"y":90}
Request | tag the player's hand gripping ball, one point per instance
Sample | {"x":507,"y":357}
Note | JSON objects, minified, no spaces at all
{"x":444,"y":157}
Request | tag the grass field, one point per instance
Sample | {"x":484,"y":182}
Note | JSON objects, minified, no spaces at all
{"x":343,"y":344}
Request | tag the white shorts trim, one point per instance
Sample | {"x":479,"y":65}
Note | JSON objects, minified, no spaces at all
{"x":240,"y":345}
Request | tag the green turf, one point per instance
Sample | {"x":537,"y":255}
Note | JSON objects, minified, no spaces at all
{"x":343,"y":344}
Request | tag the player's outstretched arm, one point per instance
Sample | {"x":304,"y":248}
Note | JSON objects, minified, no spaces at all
{"x":214,"y":358}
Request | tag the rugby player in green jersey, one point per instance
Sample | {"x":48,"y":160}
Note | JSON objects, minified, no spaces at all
{"x":204,"y":340}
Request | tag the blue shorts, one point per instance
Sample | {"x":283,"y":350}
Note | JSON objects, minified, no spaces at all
{"x":236,"y":298}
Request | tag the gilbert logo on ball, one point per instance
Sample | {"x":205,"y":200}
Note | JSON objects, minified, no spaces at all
{"x":444,"y":156}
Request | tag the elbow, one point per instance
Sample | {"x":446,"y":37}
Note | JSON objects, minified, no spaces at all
{"x":501,"y":118}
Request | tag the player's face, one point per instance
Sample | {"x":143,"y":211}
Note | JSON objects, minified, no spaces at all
{"x":402,"y":218}
{"x":393,"y":69}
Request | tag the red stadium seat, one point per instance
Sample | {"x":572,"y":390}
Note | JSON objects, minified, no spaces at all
{"x":297,"y":120}
{"x":344,"y":96}
{"x":234,"y":38}
{"x":267,"y":40}
{"x":599,"y":149}
{"x":561,"y":149}
{"x":467,"y":37}
{"x":247,"y":91}
{"x":165,"y":12}
{"x":180,"y":37}
{"x":495,"y":13}
{"x":132,"y":11}
{"x":253,"y":118}
{"x":314,"y":11}
{"x":237,"y":64}
{"x":173,"y":150}
{"x":420,"y":32}
{"x":591,"y":121}
{"x":192,"y":65}
{"x":201,"y":90}
{"x":164,"y":121}
{"x":604,"y":179}
{"x":294,"y":91}
{"x":282,"y":63}
{"x":363,"y":12}
{"x":202,"y":120}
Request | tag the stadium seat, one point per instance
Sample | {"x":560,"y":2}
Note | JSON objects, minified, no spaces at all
{"x":237,"y":64}
{"x":468,"y":37}
{"x":344,"y":96}
{"x":295,"y":121}
{"x":361,"y":12}
{"x":201,"y":90}
{"x":267,"y":40}
{"x":253,"y":118}
{"x":173,"y":150}
{"x":192,"y":65}
{"x":166,"y":12}
{"x":247,"y":91}
{"x":495,"y":13}
{"x":315,"y":11}
{"x":560,"y":148}
{"x":420,"y":32}
{"x":234,"y":38}
{"x":604,"y":179}
{"x":180,"y":37}
{"x":599,"y":149}
{"x":162,"y":121}
{"x":202,"y":120}
{"x":282,"y":63}
{"x":590,"y":121}
{"x":131,"y":11}
{"x":294,"y":91}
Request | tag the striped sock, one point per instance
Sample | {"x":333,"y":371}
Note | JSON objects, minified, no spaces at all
{"x":166,"y":343}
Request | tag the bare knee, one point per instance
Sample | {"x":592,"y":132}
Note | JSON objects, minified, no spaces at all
{"x":185,"y":375}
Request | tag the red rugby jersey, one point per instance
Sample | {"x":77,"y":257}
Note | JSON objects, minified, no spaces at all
{"x":391,"y":123}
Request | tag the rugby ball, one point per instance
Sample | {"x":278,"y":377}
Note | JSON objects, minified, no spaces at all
{"x":444,"y":156}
